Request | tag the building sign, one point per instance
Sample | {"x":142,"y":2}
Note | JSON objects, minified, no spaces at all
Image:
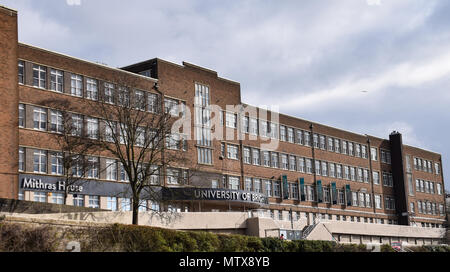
{"x":213,"y":194}
{"x":38,"y":184}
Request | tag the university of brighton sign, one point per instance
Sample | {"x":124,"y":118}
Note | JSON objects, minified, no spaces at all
{"x":214,"y":194}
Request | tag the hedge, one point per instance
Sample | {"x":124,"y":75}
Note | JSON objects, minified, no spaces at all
{"x":129,"y":238}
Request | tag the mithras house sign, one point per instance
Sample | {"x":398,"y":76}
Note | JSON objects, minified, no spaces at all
{"x":38,"y":184}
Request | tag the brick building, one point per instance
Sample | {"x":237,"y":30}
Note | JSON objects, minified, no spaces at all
{"x":285,"y":166}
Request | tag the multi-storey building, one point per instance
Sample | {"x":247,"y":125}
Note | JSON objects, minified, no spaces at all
{"x":285,"y":165}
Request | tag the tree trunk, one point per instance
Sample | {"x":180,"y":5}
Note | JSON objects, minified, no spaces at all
{"x":135,"y":220}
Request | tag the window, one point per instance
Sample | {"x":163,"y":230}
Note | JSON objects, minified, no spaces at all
{"x":245,"y":124}
{"x":77,"y":167}
{"x":125,"y":204}
{"x":232,"y":151}
{"x":171,"y":106}
{"x":338,"y":170}
{"x":357,"y":150}
{"x":274,"y":159}
{"x":309,"y":167}
{"x":366,"y":175}
{"x":233,"y":183}
{"x":257,"y":185}
{"x":57,"y":198}
{"x":290,"y":133}
{"x":387,"y":179}
{"x":256,"y":157}
{"x":109,"y":93}
{"x":368,"y":203}
{"x":40,"y":119}
{"x":78,"y":200}
{"x":373,"y":154}
{"x":146,"y":73}
{"x":352,"y":173}
{"x":317,"y":167}
{"x":21,"y":159}
{"x":248,"y":184}
{"x":385,"y":156}
{"x":273,"y":131}
{"x":246,"y":155}
{"x":360,"y":175}
{"x":389,"y":203}
{"x":92,"y":167}
{"x":266,"y":157}
{"x":204,"y":155}
{"x":326,"y":195}
{"x":284,"y":162}
{"x":378,"y":201}
{"x":376,"y":178}
{"x":21,"y":115}
{"x":344,"y":147}
{"x":231,"y":120}
{"x":91,"y":89}
{"x":94,"y":202}
{"x":123,"y":98}
{"x":301,"y":165}
{"x":253,"y":126}
{"x":324,"y":169}
{"x":337,"y":145}
{"x":322,"y":142}
{"x":350,"y":149}
{"x":111,"y":203}
{"x":268,"y":187}
{"x":364,"y":151}
{"x":276,"y":189}
{"x":361,"y":199}
{"x":332,"y":167}
{"x":292,"y":163}
{"x":300,"y":137}
{"x":92,"y":128}
{"x":439,"y":188}
{"x":173,"y":176}
{"x":56,"y":80}
{"x":77,"y":125}
{"x":316,"y":140}
{"x":330,"y":144}
{"x":214,"y":184}
{"x":282,"y":133}
{"x":76,"y":85}
{"x":307,"y":138}
{"x":111,"y":169}
{"x":56,"y":121}
{"x":21,"y":72}
{"x":354,"y":199}
{"x":57,"y":163}
{"x":437,"y":168}
{"x":39,"y":76}
{"x":40,"y":161}
{"x":40,"y":196}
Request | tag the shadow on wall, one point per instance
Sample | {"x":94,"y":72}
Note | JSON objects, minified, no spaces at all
{"x":30,"y":207}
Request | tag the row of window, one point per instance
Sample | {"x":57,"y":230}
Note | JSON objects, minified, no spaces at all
{"x":358,"y":199}
{"x":426,"y":166}
{"x":427,"y":207}
{"x":89,"y":88}
{"x":79,"y":125}
{"x":425,"y":186}
{"x":89,"y":167}
{"x":255,"y":156}
{"x":268,"y":129}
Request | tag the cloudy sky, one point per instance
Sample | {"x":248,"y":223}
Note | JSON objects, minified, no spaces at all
{"x":368,"y":66}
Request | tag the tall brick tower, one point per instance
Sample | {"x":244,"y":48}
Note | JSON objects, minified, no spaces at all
{"x":9,"y":101}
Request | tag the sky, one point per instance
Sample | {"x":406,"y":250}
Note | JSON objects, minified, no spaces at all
{"x":367,"y":66}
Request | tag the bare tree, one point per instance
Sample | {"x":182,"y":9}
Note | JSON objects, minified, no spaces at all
{"x":137,"y":130}
{"x":74,"y":160}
